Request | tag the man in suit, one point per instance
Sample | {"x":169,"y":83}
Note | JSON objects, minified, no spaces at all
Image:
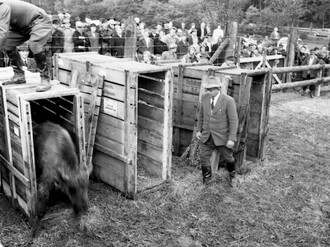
{"x":310,"y":74}
{"x":217,"y":129}
{"x":202,"y":32}
{"x":117,"y":43}
{"x":145,"y":44}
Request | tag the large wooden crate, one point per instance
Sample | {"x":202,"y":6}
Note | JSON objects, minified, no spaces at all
{"x":132,"y":149}
{"x":249,"y":93}
{"x":21,"y":110}
{"x":73,"y":70}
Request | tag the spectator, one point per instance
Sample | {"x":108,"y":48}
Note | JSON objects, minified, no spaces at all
{"x":159,"y":30}
{"x":275,"y":36}
{"x":309,"y":74}
{"x":171,"y":54}
{"x":159,"y":46}
{"x":202,"y":31}
{"x":184,"y":30}
{"x":80,"y":39}
{"x":190,"y":57}
{"x":193,"y":37}
{"x":229,"y":62}
{"x":170,"y":38}
{"x":94,"y":38}
{"x":183,"y":46}
{"x":57,"y":44}
{"x":217,"y":34}
{"x":67,"y":32}
{"x":145,"y":44}
{"x":117,"y":44}
{"x":104,"y":36}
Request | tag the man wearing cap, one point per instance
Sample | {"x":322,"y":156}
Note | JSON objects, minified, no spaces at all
{"x":20,"y":22}
{"x":217,"y":129}
{"x":170,"y":54}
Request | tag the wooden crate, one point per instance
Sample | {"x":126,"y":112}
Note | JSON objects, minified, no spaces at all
{"x":249,"y":93}
{"x":73,"y":70}
{"x":132,"y":150}
{"x":22,"y":109}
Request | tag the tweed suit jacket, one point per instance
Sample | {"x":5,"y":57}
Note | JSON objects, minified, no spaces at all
{"x":221,"y":123}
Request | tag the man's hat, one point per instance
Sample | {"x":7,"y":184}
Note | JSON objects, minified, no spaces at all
{"x":213,"y":82}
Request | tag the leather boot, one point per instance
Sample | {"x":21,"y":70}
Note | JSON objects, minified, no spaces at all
{"x":17,"y":65}
{"x":232,"y":179}
{"x":41,"y":61}
{"x":207,"y":174}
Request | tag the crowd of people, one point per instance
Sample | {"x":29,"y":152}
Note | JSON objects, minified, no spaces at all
{"x":162,"y":41}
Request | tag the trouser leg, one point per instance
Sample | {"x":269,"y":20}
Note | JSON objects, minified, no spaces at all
{"x":17,"y":65}
{"x":206,"y":150}
{"x":228,"y":156}
{"x":41,"y":60}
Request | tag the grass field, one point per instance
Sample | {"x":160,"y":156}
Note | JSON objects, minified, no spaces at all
{"x":284,"y":201}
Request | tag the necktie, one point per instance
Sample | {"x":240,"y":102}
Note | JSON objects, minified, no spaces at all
{"x":212,"y":103}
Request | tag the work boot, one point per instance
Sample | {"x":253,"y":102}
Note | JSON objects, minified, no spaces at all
{"x":41,"y":61}
{"x":207,"y":174}
{"x":17,"y":65}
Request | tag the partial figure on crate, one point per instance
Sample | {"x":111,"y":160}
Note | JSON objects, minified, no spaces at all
{"x":58,"y":171}
{"x":20,"y":22}
{"x":217,"y":129}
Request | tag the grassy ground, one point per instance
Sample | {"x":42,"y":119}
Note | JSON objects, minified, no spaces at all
{"x":285,"y":201}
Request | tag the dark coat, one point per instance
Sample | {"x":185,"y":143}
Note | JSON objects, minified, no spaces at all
{"x":80,"y":42}
{"x":312,"y":73}
{"x":142,"y":46}
{"x":159,"y":46}
{"x":57,"y":43}
{"x":117,"y":46}
{"x":222,"y":123}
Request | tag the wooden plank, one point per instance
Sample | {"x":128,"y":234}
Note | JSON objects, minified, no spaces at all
{"x":109,"y":170}
{"x":112,"y":121}
{"x":152,"y":166}
{"x":131,"y":144}
{"x":178,"y":114}
{"x":111,"y":144}
{"x":151,"y":98}
{"x":114,"y":91}
{"x":150,"y":111}
{"x":148,"y":136}
{"x":150,"y":151}
{"x":110,"y":74}
{"x":168,"y":127}
{"x":110,"y":132}
{"x":14,"y":171}
{"x":155,"y":126}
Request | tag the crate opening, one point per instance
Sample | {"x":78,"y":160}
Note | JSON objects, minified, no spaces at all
{"x":150,"y":167}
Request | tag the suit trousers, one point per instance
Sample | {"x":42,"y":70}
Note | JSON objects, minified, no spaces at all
{"x":206,"y":150}
{"x":311,"y":87}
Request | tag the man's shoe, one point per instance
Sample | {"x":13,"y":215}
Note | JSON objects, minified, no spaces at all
{"x":311,"y":94}
{"x":16,"y":79}
{"x":232,"y":179}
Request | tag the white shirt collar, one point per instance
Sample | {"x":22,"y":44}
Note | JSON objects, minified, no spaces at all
{"x":215,"y":98}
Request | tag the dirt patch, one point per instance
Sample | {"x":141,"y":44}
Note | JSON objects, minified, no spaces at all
{"x":283,"y":201}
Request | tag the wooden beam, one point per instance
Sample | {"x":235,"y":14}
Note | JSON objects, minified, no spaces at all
{"x":300,"y":83}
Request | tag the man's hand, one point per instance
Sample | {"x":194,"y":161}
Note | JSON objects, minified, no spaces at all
{"x":198,"y":135}
{"x":230,"y":144}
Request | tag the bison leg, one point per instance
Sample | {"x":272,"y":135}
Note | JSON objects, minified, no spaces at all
{"x":44,"y":189}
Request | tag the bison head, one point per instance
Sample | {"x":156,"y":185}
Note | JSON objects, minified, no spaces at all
{"x":75,"y":186}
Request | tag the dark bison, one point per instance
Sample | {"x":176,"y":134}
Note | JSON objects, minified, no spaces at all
{"x":58,"y":170}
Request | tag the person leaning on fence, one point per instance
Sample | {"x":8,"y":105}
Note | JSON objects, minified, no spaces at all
{"x":309,"y":74}
{"x":20,"y":22}
{"x":217,"y":129}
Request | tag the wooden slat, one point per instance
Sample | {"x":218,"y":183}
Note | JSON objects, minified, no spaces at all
{"x":148,"y":136}
{"x":150,"y":151}
{"x":150,"y":111}
{"x":14,"y":171}
{"x":113,"y":145}
{"x":109,"y":170}
{"x":110,"y":132}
